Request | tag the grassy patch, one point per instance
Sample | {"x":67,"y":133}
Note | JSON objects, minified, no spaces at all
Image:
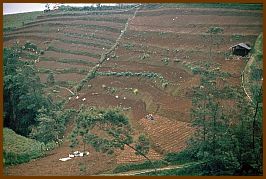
{"x":139,"y":166}
{"x":19,"y":149}
{"x":12,"y":21}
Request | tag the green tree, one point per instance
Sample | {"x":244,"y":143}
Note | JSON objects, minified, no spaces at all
{"x":23,"y":94}
{"x":50,"y":127}
{"x":230,"y":141}
{"x":116,"y":132}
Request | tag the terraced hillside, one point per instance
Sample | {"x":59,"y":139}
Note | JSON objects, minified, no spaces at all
{"x":73,"y":42}
{"x":144,"y":59}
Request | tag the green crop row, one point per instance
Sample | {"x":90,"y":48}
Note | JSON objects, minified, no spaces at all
{"x":63,"y":70}
{"x":136,"y":74}
{"x":56,"y":49}
{"x":104,"y":39}
{"x":109,"y":19}
{"x":68,"y":60}
{"x":92,"y":26}
{"x":105,"y":45}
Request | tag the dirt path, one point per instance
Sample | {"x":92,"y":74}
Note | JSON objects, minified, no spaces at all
{"x":138,"y":172}
{"x":245,"y":79}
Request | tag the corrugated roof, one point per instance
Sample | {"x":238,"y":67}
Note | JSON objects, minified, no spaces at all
{"x":242,"y":45}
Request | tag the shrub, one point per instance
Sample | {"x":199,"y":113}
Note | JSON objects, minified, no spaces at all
{"x":215,"y":30}
{"x":165,"y":61}
{"x":128,"y":46}
{"x":41,"y":52}
{"x":236,"y":37}
{"x":164,"y":85}
{"x":144,"y":56}
{"x":184,"y":156}
{"x":196,"y":70}
{"x":32,"y":56}
{"x":28,"y":45}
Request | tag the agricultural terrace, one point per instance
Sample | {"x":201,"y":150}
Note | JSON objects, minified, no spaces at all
{"x":144,"y":60}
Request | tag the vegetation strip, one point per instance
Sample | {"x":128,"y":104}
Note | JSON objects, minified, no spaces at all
{"x":106,"y":19}
{"x":85,"y":43}
{"x":247,"y":70}
{"x":56,"y":49}
{"x":26,"y":150}
{"x":68,"y":60}
{"x":92,"y":36}
{"x":135,"y":74}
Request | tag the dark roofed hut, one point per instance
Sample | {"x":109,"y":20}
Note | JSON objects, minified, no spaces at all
{"x":240,"y":49}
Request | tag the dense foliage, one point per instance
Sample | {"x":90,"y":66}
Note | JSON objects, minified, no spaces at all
{"x":107,"y":130}
{"x":23,"y":94}
{"x":229,"y":139}
{"x":27,"y":110}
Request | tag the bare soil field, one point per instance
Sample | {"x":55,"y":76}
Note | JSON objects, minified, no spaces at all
{"x":164,"y":41}
{"x":55,"y":56}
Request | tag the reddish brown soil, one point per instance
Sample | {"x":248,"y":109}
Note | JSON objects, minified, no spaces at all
{"x":77,"y":47}
{"x":128,"y":156}
{"x":167,"y":135}
{"x":57,"y":55}
{"x":177,"y":40}
{"x":43,"y":77}
{"x":195,"y":11}
{"x":69,"y":77}
{"x":156,"y":33}
{"x":53,"y":65}
{"x":51,"y":165}
{"x":86,"y":31}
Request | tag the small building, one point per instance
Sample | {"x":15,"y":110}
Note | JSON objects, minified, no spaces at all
{"x":240,"y":49}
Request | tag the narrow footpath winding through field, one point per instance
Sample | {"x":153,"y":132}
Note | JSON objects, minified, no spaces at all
{"x":244,"y":78}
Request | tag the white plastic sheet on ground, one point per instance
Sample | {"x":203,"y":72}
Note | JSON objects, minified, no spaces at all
{"x":75,"y":154}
